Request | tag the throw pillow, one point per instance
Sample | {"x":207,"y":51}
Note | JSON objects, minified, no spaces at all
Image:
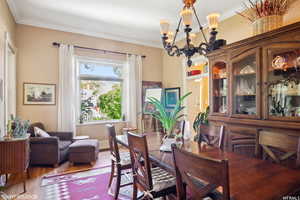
{"x":40,"y":133}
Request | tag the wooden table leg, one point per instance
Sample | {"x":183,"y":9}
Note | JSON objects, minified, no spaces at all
{"x":6,"y":179}
{"x":25,"y":176}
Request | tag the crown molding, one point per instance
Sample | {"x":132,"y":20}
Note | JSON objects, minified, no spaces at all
{"x":87,"y":33}
{"x":13,"y":9}
{"x":231,"y":12}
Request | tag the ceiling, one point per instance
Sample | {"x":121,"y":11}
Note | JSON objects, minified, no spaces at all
{"x":134,"y":21}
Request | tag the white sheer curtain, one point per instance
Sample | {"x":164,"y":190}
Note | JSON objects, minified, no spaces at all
{"x":67,"y":95}
{"x":132,"y":90}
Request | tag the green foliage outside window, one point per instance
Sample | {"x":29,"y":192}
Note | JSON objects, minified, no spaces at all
{"x":86,"y":110}
{"x":110,"y":103}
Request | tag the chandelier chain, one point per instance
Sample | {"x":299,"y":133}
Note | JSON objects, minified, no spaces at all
{"x":200,"y":26}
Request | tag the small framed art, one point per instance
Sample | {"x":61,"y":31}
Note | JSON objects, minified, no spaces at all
{"x":172,"y":95}
{"x":39,"y":94}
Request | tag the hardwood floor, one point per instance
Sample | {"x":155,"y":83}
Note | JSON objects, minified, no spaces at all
{"x":15,"y":187}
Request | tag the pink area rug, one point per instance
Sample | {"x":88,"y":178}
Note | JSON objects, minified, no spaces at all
{"x":83,"y":185}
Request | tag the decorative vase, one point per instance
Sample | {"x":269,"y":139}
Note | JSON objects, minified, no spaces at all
{"x":20,"y":128}
{"x":170,"y":139}
{"x":268,"y":23}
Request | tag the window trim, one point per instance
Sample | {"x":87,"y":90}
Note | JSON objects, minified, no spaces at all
{"x":102,"y":122}
{"x":116,"y":63}
{"x":99,"y":78}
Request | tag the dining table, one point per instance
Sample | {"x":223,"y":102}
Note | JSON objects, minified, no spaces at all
{"x":249,"y":178}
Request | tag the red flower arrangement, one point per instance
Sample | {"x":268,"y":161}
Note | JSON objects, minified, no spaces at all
{"x":262,"y":8}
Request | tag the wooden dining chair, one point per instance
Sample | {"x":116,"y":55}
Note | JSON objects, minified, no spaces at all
{"x":154,"y":182}
{"x":243,"y":140}
{"x":201,"y":175}
{"x":119,"y":161}
{"x":212,"y":135}
{"x":280,"y":148}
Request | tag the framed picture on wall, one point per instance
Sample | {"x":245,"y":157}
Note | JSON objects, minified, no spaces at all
{"x":149,"y":85}
{"x":39,"y":94}
{"x":154,"y":93}
{"x":172,"y":96}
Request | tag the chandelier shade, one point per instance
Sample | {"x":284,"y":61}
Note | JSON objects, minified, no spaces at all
{"x":213,"y":20}
{"x":164,"y":27}
{"x":187,"y":16}
{"x":190,"y":48}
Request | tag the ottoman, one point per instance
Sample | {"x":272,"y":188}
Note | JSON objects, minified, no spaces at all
{"x":84,"y":151}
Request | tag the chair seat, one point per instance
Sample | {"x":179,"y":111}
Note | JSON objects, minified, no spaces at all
{"x":162,"y":179}
{"x":125,"y":158}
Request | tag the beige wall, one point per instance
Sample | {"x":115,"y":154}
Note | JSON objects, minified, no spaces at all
{"x":38,"y":63}
{"x":7,"y":22}
{"x":232,"y":29}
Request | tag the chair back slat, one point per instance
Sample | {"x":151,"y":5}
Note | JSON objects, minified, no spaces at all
{"x":213,"y":135}
{"x":279,"y":140}
{"x":140,"y":162}
{"x":202,"y":175}
{"x":273,"y":142}
{"x":113,"y":145}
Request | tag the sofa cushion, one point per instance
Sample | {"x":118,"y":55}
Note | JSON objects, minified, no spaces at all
{"x":31,"y":128}
{"x":40,"y":133}
{"x":64,"y":144}
{"x":82,"y":146}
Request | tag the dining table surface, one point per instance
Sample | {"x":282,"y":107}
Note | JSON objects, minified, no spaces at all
{"x":249,"y":178}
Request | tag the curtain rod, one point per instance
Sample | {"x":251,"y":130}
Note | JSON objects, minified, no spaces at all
{"x":93,"y":49}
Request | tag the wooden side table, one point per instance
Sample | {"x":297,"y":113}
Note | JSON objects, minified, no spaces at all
{"x":14,"y":157}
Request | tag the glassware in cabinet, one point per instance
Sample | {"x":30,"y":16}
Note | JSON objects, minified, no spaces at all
{"x":219,"y":87}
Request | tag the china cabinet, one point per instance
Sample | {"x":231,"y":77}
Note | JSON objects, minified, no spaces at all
{"x":254,"y":85}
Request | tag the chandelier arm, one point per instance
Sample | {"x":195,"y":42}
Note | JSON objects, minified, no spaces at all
{"x":200,"y":26}
{"x":181,"y":50}
{"x":165,"y":45}
{"x":177,"y":30}
{"x":203,"y":48}
{"x":173,"y":50}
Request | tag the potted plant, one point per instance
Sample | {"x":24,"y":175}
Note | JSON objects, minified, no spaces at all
{"x":200,"y":123}
{"x":168,"y":119}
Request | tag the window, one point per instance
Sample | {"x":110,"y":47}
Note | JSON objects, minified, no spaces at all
{"x":100,"y":91}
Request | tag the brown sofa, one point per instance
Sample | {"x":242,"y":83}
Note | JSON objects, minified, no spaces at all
{"x":49,"y":150}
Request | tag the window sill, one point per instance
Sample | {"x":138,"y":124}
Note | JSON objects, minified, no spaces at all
{"x":102,"y":123}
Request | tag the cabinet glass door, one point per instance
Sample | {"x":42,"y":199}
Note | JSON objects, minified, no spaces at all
{"x":219,"y":92}
{"x":245,"y":76}
{"x":283,"y":83}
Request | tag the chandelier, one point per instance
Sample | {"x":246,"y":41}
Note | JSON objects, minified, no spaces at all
{"x":190,"y":49}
